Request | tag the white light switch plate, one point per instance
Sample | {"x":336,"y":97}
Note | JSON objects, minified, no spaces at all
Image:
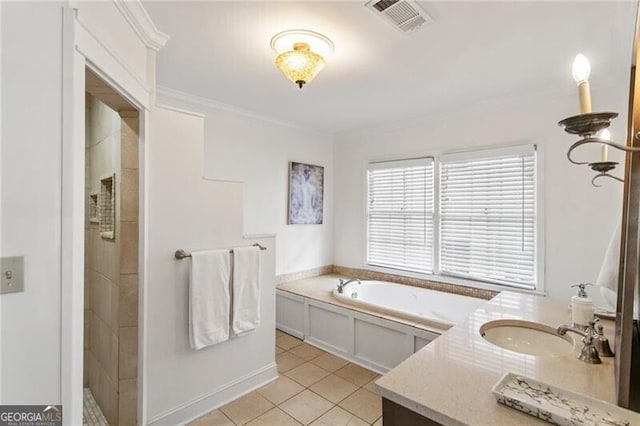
{"x":11,"y":274}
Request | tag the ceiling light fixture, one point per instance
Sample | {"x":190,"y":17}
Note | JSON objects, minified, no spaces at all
{"x":301,"y":54}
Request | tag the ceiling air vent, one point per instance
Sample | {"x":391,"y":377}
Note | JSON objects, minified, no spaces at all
{"x":403,"y":15}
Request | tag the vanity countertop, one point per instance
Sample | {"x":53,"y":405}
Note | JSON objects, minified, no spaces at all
{"x":450,"y":380}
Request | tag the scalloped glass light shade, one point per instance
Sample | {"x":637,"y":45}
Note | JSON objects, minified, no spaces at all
{"x":300,"y":65}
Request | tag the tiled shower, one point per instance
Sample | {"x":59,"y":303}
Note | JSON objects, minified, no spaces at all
{"x":111,"y":262}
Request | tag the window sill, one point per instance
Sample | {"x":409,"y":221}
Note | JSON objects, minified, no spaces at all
{"x":445,"y":279}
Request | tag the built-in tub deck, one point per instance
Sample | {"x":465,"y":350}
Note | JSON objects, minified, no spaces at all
{"x":307,"y":309}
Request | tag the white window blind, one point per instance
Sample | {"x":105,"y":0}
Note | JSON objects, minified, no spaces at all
{"x":488,"y":216}
{"x":400,"y":214}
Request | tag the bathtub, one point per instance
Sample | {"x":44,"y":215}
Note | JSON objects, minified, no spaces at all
{"x":414,"y":303}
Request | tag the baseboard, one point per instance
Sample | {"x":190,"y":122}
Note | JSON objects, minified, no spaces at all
{"x":191,"y":410}
{"x":291,"y":331}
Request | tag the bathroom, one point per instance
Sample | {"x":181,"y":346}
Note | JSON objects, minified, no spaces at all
{"x":214,"y":160}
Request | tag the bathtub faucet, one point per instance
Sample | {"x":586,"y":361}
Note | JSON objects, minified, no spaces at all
{"x":342,"y":283}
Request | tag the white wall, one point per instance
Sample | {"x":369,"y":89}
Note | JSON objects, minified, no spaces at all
{"x":253,"y":150}
{"x":579,"y":218}
{"x":188,"y":212}
{"x":31,"y":200}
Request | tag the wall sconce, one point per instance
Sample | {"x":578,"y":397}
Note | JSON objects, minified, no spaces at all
{"x":301,"y":54}
{"x":591,"y":126}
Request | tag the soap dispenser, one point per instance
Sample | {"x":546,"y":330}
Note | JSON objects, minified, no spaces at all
{"x":581,"y":307}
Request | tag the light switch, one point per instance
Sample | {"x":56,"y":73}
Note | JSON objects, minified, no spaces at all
{"x":12,"y":274}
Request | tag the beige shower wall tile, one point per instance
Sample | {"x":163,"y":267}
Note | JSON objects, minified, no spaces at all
{"x":129,"y":140}
{"x":93,"y":332}
{"x":115,"y":307}
{"x":127,"y":404}
{"x":101,"y":297}
{"x":129,"y":248}
{"x":129,"y":196}
{"x":85,"y":369}
{"x":128,"y":300}
{"x":86,"y":330}
{"x":108,"y":397}
{"x":128,"y":353}
{"x":101,"y":342}
{"x":88,"y":275}
{"x":112,"y":366}
{"x":93,"y":372}
{"x":107,"y":258}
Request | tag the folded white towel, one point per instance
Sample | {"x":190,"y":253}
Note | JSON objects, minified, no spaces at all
{"x":209,"y":298}
{"x":246,"y":289}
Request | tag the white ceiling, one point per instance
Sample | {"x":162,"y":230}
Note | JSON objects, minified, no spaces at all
{"x":473,"y":51}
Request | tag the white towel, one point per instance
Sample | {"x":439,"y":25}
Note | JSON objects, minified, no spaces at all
{"x":209,"y":298}
{"x":246,"y":289}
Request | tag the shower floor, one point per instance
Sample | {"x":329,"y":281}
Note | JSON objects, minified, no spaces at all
{"x":91,"y":413}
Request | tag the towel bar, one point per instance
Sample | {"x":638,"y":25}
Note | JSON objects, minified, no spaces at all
{"x":181,"y":254}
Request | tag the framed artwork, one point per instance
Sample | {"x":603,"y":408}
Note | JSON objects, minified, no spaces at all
{"x":306,"y":194}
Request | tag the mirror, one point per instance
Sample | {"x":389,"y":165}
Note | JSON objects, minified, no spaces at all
{"x":627,"y":351}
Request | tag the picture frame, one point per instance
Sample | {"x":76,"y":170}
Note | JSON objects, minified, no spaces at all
{"x":306,"y":194}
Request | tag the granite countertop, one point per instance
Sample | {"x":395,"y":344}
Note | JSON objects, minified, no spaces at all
{"x":450,"y":380}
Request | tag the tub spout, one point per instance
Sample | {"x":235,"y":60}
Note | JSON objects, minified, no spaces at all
{"x":342,"y":283}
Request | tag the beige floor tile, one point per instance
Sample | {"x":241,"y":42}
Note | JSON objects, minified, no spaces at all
{"x":330,"y":362}
{"x":306,"y":406}
{"x":279,"y":350}
{"x":246,"y":408}
{"x":355,"y":374}
{"x":287,"y":361}
{"x":214,"y":418}
{"x":307,"y":374}
{"x":280,"y":390}
{"x":339,"y":417}
{"x":279,"y":333}
{"x":275,"y":417}
{"x":378,"y":422}
{"x":307,"y":352}
{"x":334,"y":388}
{"x":364,"y":404}
{"x":371,"y":386}
{"x":287,"y":342}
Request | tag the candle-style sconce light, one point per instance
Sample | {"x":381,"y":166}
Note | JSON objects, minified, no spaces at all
{"x":592,"y":127}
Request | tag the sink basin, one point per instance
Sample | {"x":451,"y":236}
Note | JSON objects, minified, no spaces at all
{"x":526,"y":337}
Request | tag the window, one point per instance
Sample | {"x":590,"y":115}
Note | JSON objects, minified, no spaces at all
{"x":485,"y":227}
{"x":487,"y":216}
{"x":400,"y":214}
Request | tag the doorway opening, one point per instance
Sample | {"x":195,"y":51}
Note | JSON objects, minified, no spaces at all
{"x":110,"y":375}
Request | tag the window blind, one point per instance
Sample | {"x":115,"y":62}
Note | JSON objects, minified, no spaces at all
{"x":488,"y":216}
{"x":400,"y":214}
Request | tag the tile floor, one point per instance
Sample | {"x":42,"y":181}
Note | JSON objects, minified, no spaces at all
{"x":91,"y":414}
{"x":314,"y":388}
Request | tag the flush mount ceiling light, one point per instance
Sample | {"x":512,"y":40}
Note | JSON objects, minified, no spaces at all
{"x":301,"y":54}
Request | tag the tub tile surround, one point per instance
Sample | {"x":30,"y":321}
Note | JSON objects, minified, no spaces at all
{"x":319,"y":390}
{"x":365,"y":274}
{"x":461,"y":367}
{"x":299,"y":275}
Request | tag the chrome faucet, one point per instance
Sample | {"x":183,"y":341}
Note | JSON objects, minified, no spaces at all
{"x":342,"y":283}
{"x":588,"y":353}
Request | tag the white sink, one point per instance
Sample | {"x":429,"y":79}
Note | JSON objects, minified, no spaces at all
{"x":526,"y":337}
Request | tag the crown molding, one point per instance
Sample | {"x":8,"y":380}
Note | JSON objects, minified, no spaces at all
{"x":166,"y":95}
{"x":137,"y":16}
